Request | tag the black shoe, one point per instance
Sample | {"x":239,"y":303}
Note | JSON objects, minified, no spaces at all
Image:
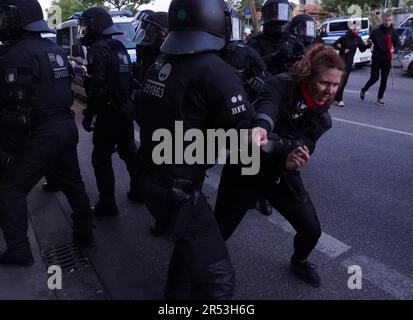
{"x":134,"y":196}
{"x":264,"y":207}
{"x":12,"y":259}
{"x":306,"y":271}
{"x":48,"y":187}
{"x":380,"y":102}
{"x":362,"y":94}
{"x":105,"y":210}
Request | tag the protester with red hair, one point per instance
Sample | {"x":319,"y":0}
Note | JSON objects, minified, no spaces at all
{"x":293,"y":108}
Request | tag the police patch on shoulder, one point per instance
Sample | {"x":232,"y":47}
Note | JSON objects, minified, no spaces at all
{"x":57,"y":65}
{"x":10,"y":76}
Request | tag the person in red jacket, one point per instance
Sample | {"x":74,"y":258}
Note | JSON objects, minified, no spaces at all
{"x":386,"y":41}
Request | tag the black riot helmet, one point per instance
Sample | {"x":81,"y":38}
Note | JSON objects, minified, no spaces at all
{"x":195,"y":26}
{"x":275,"y":15}
{"x":139,"y":17}
{"x":235,"y":25}
{"x":303,"y":26}
{"x":152,"y":30}
{"x":21,"y":15}
{"x":93,"y":23}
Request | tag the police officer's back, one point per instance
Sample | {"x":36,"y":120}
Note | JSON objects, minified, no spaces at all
{"x":149,"y":36}
{"x":193,"y":85}
{"x":108,"y":98}
{"x":38,"y":127}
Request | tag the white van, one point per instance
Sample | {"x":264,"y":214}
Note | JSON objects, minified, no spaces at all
{"x":334,"y":28}
{"x":67,"y":30}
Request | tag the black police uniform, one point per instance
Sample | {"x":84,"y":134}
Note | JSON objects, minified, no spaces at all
{"x":249,"y":65}
{"x":108,"y":97}
{"x":38,"y":131}
{"x":351,"y":42}
{"x":276,"y":46}
{"x":282,"y":110}
{"x":278,"y":53}
{"x":204,"y":92}
{"x":149,"y":39}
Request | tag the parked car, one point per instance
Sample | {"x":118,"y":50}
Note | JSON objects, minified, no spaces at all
{"x":332,"y":29}
{"x":406,"y":60}
{"x":404,"y":24}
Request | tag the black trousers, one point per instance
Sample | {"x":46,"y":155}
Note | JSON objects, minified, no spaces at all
{"x":378,"y":67}
{"x":51,"y":145}
{"x":200,"y":267}
{"x":237,"y":194}
{"x":112,"y":134}
{"x":339,"y":94}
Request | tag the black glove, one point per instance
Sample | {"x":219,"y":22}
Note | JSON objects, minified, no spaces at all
{"x":255,"y":84}
{"x":285,"y":52}
{"x":87,"y":123}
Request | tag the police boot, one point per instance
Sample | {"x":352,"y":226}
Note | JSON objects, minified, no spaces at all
{"x":50,"y":187}
{"x":23,"y":258}
{"x":306,"y":271}
{"x":105,"y":209}
{"x":265,"y":207}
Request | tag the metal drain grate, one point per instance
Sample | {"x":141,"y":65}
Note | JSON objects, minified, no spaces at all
{"x":67,"y":256}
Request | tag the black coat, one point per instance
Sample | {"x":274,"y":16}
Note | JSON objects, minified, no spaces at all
{"x":379,"y":41}
{"x":350,"y":42}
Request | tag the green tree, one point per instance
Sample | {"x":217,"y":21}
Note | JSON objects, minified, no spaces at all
{"x":69,"y":7}
{"x":132,"y":5}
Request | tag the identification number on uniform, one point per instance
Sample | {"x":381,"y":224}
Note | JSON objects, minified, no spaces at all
{"x":60,"y":73}
{"x":154,"y":89}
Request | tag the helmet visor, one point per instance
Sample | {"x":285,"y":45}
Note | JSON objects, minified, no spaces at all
{"x":277,"y":12}
{"x":147,"y":34}
{"x":83,"y":27}
{"x":236,"y":29}
{"x":307,"y":29}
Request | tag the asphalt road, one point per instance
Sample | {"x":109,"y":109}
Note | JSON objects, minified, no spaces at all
{"x":359,"y":178}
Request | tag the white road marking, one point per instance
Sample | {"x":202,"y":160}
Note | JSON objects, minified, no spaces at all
{"x":354,"y":91}
{"x":394,"y":283}
{"x":410,"y":134}
{"x":327,"y":244}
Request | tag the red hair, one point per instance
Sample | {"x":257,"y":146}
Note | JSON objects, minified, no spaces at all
{"x":319,"y":56}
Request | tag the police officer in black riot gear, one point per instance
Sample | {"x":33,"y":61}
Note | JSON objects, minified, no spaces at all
{"x":303,"y":26}
{"x":38,"y":129}
{"x":293,"y":107}
{"x":149,"y":36}
{"x":250,"y":66}
{"x":192,"y":84}
{"x":108,"y":98}
{"x":276,"y":46}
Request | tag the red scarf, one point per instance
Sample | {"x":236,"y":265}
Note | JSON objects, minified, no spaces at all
{"x":308,"y":99}
{"x":389,"y":46}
